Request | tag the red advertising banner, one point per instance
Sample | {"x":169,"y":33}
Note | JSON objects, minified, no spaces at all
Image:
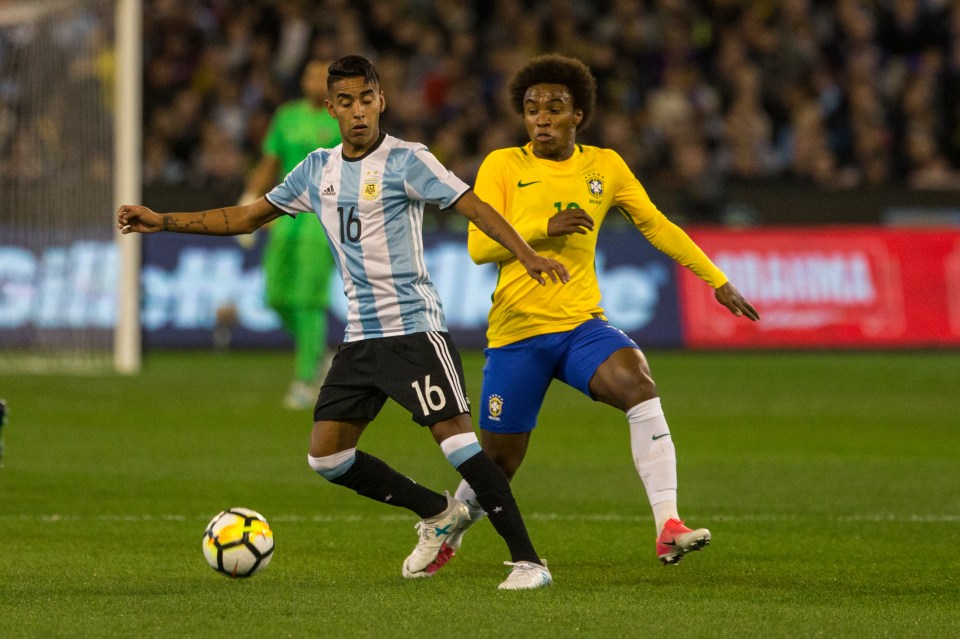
{"x":829,"y":287}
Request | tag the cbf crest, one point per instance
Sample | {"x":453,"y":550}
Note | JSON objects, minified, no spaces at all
{"x":371,"y":186}
{"x":595,"y":187}
{"x":495,"y":407}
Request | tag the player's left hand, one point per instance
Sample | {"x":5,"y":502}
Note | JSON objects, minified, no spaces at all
{"x":539,"y":264}
{"x":730,"y":297}
{"x":246,"y":241}
{"x":570,"y":221}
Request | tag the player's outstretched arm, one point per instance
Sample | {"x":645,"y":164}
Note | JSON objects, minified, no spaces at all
{"x":730,"y":297}
{"x":495,"y":226}
{"x":484,"y":250}
{"x":230,"y":220}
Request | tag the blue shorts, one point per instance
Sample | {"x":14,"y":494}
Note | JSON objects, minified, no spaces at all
{"x":516,"y":376}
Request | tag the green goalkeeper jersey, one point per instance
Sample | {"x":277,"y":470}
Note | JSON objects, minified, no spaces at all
{"x":297,"y":261}
{"x":296,"y":130}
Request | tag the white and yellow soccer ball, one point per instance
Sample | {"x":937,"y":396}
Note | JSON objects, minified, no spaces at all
{"x":238,"y":542}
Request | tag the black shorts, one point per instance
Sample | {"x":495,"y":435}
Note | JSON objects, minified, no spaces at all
{"x":421,"y":372}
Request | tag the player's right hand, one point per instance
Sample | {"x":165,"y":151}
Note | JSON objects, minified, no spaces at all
{"x":570,"y":221}
{"x":539,"y":264}
{"x":138,"y":219}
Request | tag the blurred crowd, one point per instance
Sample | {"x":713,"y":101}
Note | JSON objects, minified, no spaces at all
{"x":56,"y":113}
{"x":694,"y":94}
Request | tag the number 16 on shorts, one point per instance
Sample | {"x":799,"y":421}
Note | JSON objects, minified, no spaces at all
{"x":431,"y":397}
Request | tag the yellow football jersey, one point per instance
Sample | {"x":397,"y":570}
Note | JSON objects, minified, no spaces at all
{"x":528,"y":191}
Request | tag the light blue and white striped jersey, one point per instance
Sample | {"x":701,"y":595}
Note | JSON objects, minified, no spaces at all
{"x":372,"y":211}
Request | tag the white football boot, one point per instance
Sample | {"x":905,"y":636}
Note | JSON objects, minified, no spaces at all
{"x":456,"y":538}
{"x":527,"y":575}
{"x":433,"y":532}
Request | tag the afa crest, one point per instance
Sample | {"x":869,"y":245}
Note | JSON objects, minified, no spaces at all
{"x":595,"y":185}
{"x":495,"y":407}
{"x":371,"y":186}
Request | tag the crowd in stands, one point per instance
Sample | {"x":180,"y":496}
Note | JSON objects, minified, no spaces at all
{"x":838,"y":94}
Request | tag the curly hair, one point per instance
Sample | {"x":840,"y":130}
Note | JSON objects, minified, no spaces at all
{"x":554,"y":68}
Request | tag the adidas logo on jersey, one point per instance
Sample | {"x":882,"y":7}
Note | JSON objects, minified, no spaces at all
{"x":329,"y":191}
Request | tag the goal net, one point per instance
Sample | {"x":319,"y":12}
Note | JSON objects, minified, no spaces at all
{"x":58,"y":253}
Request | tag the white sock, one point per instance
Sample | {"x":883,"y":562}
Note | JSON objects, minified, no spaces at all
{"x":663,"y":511}
{"x":655,"y":458}
{"x":465,"y":494}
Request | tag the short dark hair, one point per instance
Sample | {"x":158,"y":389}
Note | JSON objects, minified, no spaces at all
{"x":352,"y":66}
{"x":554,"y":68}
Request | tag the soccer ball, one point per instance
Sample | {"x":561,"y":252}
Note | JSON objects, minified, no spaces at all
{"x":238,"y":542}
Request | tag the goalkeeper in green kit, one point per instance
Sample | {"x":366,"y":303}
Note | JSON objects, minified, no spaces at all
{"x":296,"y":261}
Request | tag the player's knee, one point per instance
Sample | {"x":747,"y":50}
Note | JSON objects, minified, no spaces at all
{"x":508,"y":460}
{"x":332,"y":466}
{"x":625,"y":387}
{"x":640,"y":390}
{"x":645,"y":386}
{"x":506,"y":450}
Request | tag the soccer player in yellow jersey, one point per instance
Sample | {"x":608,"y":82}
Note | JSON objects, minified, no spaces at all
{"x":556,"y":193}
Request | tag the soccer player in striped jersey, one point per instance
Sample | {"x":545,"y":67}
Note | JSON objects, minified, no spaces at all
{"x":369,"y":194}
{"x":556,"y":193}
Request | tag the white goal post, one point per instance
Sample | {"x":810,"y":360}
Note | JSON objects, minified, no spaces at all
{"x":127,"y":351}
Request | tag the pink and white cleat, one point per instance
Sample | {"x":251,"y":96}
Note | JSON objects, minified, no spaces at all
{"x":676,"y":540}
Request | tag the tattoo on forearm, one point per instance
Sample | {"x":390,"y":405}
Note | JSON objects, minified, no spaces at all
{"x":493,"y":234}
{"x":199,"y":224}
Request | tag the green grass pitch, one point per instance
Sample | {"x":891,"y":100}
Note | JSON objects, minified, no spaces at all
{"x":831,"y":483}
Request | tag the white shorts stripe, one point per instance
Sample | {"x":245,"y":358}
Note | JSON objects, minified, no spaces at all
{"x":443,"y":353}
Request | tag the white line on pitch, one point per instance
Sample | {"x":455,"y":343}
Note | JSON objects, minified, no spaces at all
{"x":570,"y":517}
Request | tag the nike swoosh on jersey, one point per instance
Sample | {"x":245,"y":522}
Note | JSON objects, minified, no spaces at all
{"x":521,"y":183}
